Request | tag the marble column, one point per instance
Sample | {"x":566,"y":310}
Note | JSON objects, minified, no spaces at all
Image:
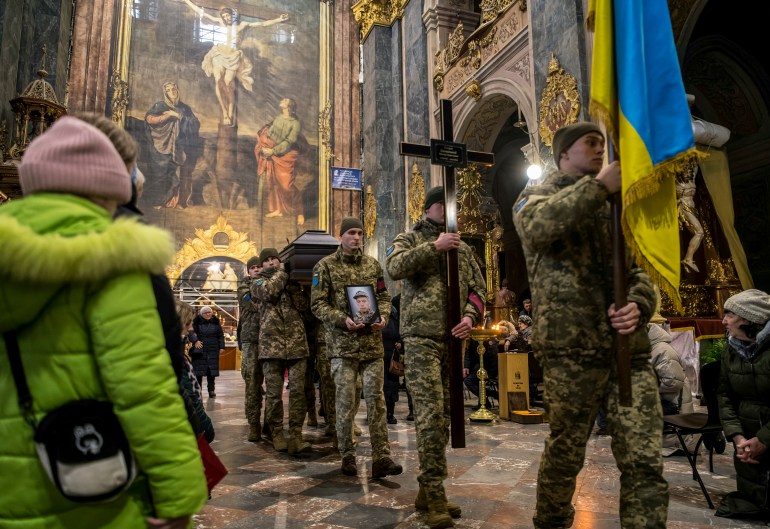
{"x":91,"y":45}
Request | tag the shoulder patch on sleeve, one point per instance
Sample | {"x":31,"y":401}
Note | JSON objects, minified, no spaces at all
{"x":390,"y":250}
{"x":247,"y":297}
{"x":259,"y":283}
{"x":520,"y":205}
{"x":315,"y":277}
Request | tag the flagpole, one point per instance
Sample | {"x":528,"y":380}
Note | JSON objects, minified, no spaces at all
{"x":619,"y":283}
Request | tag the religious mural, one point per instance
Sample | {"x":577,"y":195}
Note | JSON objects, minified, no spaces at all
{"x":224,"y":103}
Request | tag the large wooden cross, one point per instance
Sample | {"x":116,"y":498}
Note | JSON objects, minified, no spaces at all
{"x":451,"y":155}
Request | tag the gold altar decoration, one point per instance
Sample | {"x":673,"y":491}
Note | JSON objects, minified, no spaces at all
{"x":473,"y":223}
{"x":416,"y":193}
{"x":119,"y":97}
{"x":36,"y":109}
{"x":325,"y":129}
{"x":559,"y":103}
{"x":493,"y":245}
{"x":461,"y":59}
{"x":202,"y":246}
{"x":370,"y":212}
{"x":469,"y":217}
{"x":481,"y":336}
{"x":473,"y":90}
{"x":370,"y":13}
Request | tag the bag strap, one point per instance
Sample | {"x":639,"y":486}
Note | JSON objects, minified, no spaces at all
{"x":17,"y":370}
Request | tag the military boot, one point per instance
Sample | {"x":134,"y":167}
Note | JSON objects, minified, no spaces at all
{"x":349,"y":465}
{"x":254,"y":432}
{"x":421,"y":504}
{"x":312,"y":420}
{"x":297,"y":445}
{"x":385,"y":467}
{"x":267,"y":435}
{"x":279,"y":441}
{"x":438,"y":517}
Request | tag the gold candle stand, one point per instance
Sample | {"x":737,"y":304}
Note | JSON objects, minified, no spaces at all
{"x":483,"y":414}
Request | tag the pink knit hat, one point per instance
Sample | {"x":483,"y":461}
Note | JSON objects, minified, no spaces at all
{"x":74,"y":157}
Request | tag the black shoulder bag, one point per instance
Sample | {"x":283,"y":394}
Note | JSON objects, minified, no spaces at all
{"x":81,"y":444}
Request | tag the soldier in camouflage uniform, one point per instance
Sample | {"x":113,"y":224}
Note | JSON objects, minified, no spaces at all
{"x":564,"y":225}
{"x":354,"y":348}
{"x":282,"y":346}
{"x":248,"y":338}
{"x":419,"y":258}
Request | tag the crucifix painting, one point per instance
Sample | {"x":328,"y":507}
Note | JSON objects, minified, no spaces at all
{"x":225,"y":61}
{"x":224,"y":103}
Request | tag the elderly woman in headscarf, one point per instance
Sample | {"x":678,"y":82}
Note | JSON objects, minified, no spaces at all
{"x":744,"y":401}
{"x":210,"y":343}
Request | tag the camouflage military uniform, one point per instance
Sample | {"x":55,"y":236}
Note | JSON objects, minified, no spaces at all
{"x":414,"y":258}
{"x":282,"y":345}
{"x":325,"y":381}
{"x":352,"y":352}
{"x":564,"y":225}
{"x":251,"y":367}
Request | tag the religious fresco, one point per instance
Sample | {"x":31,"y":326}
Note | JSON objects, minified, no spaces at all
{"x":224,"y":99}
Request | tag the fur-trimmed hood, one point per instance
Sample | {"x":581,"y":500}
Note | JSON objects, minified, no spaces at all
{"x":50,"y":240}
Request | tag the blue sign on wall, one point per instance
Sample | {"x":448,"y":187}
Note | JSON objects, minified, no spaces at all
{"x":346,"y":178}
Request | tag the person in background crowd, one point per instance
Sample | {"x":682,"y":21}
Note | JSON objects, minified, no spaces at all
{"x":206,"y":350}
{"x":526,"y":308}
{"x":355,"y":349}
{"x":282,"y":346}
{"x":73,"y":180}
{"x":565,"y":232}
{"x":520,"y":340}
{"x":418,"y":258}
{"x":248,"y":338}
{"x":188,"y":382}
{"x":744,"y":402}
{"x":668,"y":369}
{"x":391,"y":341}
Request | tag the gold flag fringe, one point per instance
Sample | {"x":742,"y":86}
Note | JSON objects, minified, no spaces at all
{"x":606,"y":117}
{"x":643,"y":189}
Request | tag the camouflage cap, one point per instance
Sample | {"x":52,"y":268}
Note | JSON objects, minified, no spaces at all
{"x":267,"y":253}
{"x":566,"y":136}
{"x":360,"y":294}
{"x":253,"y":261}
{"x":525,"y":319}
{"x":350,"y":223}
{"x":434,"y":194}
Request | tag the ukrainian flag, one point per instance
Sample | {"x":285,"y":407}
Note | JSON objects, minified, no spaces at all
{"x":638,"y":93}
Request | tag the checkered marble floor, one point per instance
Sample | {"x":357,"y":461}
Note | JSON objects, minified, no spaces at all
{"x":493,"y":479}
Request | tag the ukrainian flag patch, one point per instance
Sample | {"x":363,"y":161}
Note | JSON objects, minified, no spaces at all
{"x":520,"y":205}
{"x":259,"y":283}
{"x":315,"y":277}
{"x":390,"y":250}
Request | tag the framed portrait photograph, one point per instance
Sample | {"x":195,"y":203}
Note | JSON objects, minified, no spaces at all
{"x":362,"y":304}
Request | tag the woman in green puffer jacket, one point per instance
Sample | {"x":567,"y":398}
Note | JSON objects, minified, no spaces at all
{"x":75,"y":288}
{"x":744,"y":402}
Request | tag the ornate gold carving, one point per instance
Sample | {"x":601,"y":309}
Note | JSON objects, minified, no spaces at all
{"x":370,"y":13}
{"x":721,"y":272}
{"x":473,"y":90}
{"x":119,"y":96}
{"x":202,"y":246}
{"x":325,"y":129}
{"x":493,"y":245}
{"x":469,"y":217}
{"x":479,"y":48}
{"x":456,"y":40}
{"x":36,"y":109}
{"x":416,"y":193}
{"x":370,"y":212}
{"x":4,"y":153}
{"x":560,"y":102}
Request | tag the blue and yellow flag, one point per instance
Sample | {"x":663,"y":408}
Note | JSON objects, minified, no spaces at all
{"x":638,"y":93}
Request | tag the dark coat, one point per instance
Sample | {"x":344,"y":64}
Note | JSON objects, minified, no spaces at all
{"x":744,"y":408}
{"x":391,"y":335}
{"x":212,"y":336}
